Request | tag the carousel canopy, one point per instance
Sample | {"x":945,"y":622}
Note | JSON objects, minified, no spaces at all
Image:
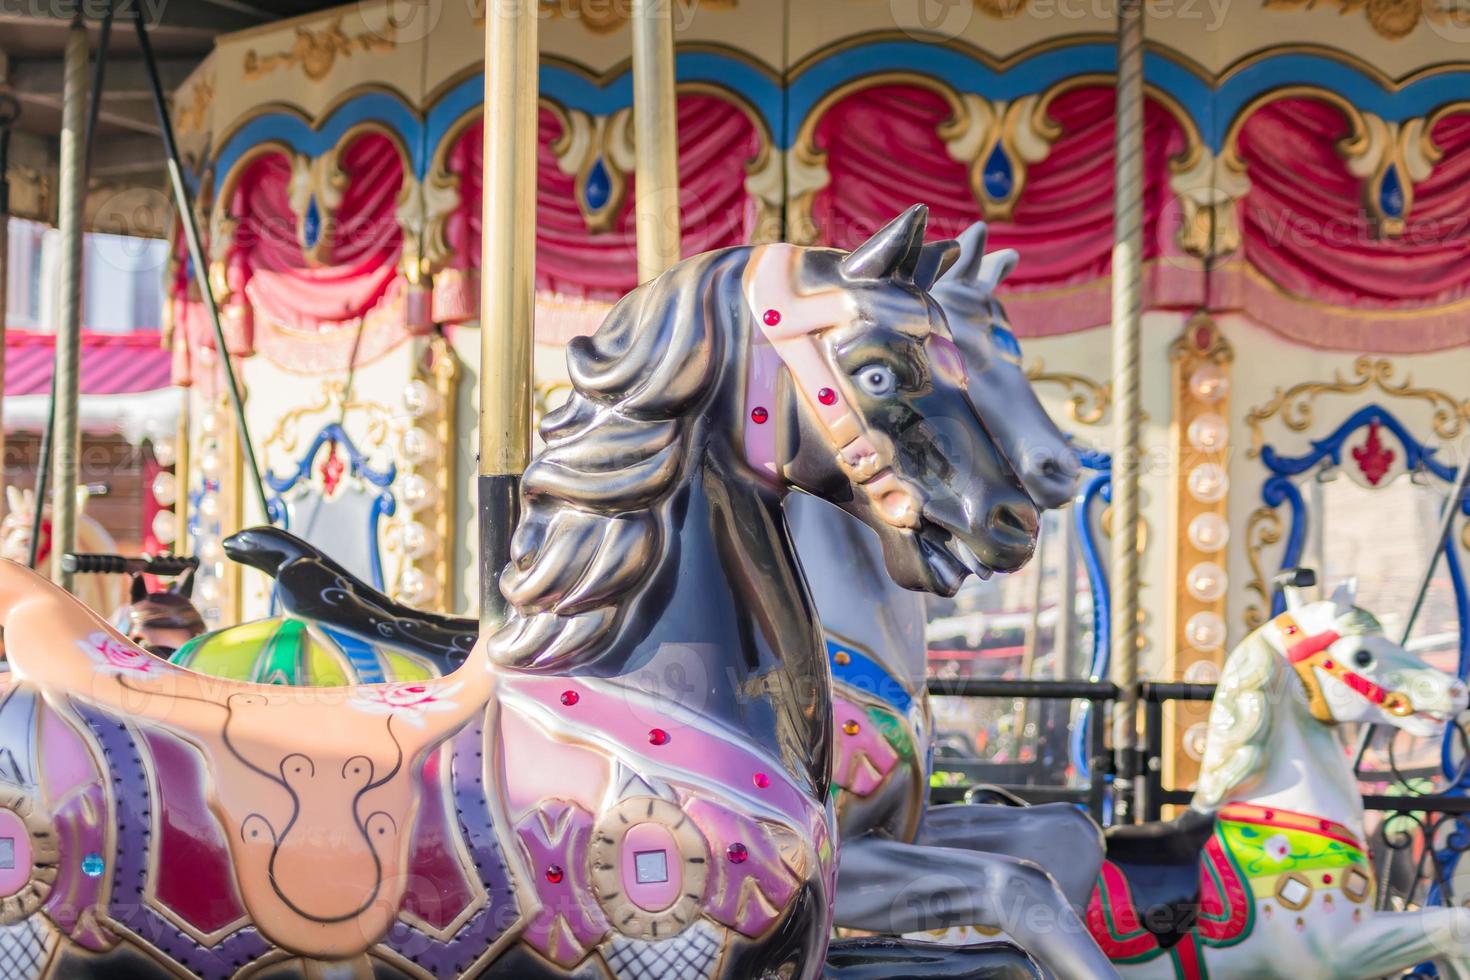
{"x":124,"y":382}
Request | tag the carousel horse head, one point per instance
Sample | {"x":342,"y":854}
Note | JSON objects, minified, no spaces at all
{"x":160,"y":622}
{"x":1047,"y":465}
{"x":1328,"y":662}
{"x":803,"y":368}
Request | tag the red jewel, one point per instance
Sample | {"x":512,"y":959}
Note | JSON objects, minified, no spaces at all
{"x":570,"y":698}
{"x":1325,"y":824}
{"x":554,"y":874}
{"x":761,"y":780}
{"x":737,"y":853}
{"x":827,"y":396}
{"x":1327,"y":665}
{"x":772,"y":317}
{"x":657,"y":736}
{"x":1270,"y":814}
{"x":1292,"y":630}
{"x":759,"y":415}
{"x":1327,"y":879}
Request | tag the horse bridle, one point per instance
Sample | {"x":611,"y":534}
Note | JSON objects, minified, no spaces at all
{"x":1308,"y":653}
{"x":790,"y":323}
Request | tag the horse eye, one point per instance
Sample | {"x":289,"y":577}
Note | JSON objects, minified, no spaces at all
{"x":1363,"y":658}
{"x":877,"y":380}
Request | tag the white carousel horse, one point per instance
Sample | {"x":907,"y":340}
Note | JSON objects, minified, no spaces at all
{"x":1266,"y":875}
{"x":102,"y":593}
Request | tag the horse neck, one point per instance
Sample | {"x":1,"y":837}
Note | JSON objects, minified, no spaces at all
{"x":856,"y":599}
{"x":726,"y":626}
{"x":1306,"y":768}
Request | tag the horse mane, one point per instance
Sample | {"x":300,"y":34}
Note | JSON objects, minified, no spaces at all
{"x":595,"y":519}
{"x":1240,"y":720}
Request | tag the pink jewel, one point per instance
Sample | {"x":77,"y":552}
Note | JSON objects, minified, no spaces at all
{"x":554,"y":874}
{"x":761,"y":780}
{"x":759,"y":415}
{"x":827,"y":396}
{"x":772,"y":317}
{"x":1327,"y":880}
{"x":737,"y":853}
{"x":570,"y":698}
{"x":1292,"y":630}
{"x":657,"y":736}
{"x":1327,"y":665}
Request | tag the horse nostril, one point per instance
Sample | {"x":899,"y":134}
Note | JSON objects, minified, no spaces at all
{"x":1015,"y":517}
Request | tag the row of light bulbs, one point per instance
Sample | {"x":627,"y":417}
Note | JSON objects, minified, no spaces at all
{"x":1208,"y":532}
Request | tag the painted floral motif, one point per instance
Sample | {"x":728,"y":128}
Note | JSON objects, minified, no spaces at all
{"x":1277,"y":847}
{"x":113,"y":656}
{"x":411,"y":702}
{"x":1373,"y":457}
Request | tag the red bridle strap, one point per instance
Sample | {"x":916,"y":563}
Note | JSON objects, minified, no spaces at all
{"x":1308,"y":654}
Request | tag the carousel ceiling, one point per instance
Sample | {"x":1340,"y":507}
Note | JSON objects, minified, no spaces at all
{"x":128,"y":150}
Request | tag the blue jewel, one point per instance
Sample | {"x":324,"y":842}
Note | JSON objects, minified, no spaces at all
{"x":1391,"y":193}
{"x":93,"y":866}
{"x":598,"y":189}
{"x":998,"y":176}
{"x":1005,"y":341}
{"x":311,"y":224}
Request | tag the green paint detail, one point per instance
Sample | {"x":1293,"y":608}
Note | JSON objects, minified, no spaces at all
{"x":401,"y":667}
{"x":1263,"y":851}
{"x":231,"y":652}
{"x":280,"y":660}
{"x":894,"y":731}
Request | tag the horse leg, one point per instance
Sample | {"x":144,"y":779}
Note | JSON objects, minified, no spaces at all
{"x":1057,"y":836}
{"x":891,"y":888}
{"x":880,"y":957}
{"x":1390,"y":942}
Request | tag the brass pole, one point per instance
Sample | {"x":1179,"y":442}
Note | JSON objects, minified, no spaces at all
{"x":1127,"y":280}
{"x":656,"y":210}
{"x":507,"y":284}
{"x":65,"y":380}
{"x":9,"y":112}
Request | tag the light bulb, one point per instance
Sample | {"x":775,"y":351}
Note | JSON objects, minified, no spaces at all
{"x":1208,"y":383}
{"x":211,"y":422}
{"x":1208,"y":532}
{"x":165,"y":527}
{"x":418,"y":540}
{"x":165,"y":452}
{"x":415,"y":588}
{"x":1202,"y":672}
{"x":1206,"y":581}
{"x":1208,"y":432}
{"x":208,"y":590}
{"x":1205,"y":631}
{"x":210,"y":550}
{"x":418,"y":445}
{"x":418,"y":398}
{"x":1208,"y":483}
{"x":165,"y":489}
{"x":416,"y":492}
{"x":209,"y":506}
{"x":211,"y":463}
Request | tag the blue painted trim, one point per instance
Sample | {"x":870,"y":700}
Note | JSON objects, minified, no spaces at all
{"x":290,"y":129}
{"x":1098,"y":489}
{"x":865,"y":674}
{"x":384,"y":504}
{"x":1278,"y":489}
{"x":359,"y":653}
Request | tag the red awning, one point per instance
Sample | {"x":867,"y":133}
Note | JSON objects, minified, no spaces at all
{"x":112,"y":364}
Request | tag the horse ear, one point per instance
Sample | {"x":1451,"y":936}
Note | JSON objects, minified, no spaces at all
{"x":1293,"y":583}
{"x":995,"y":267}
{"x":13,"y":498}
{"x":892,"y":252}
{"x":972,"y":253}
{"x":1345,"y":597}
{"x":139,"y":590}
{"x":935,"y":260}
{"x":184,"y":584}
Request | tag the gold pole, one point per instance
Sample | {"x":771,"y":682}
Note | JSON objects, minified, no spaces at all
{"x":656,"y":209}
{"x":507,"y":283}
{"x":1127,"y":317}
{"x":65,"y":381}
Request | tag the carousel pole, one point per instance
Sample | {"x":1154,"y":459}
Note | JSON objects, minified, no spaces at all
{"x":9,"y":112}
{"x":1127,"y":278}
{"x":184,"y":202}
{"x":48,"y":434}
{"x":65,"y":379}
{"x":656,"y":139}
{"x":507,"y":278}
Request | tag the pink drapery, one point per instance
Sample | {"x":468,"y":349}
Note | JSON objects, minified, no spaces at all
{"x":1304,"y":220}
{"x":884,"y":153}
{"x":361,"y":239}
{"x":716,"y":140}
